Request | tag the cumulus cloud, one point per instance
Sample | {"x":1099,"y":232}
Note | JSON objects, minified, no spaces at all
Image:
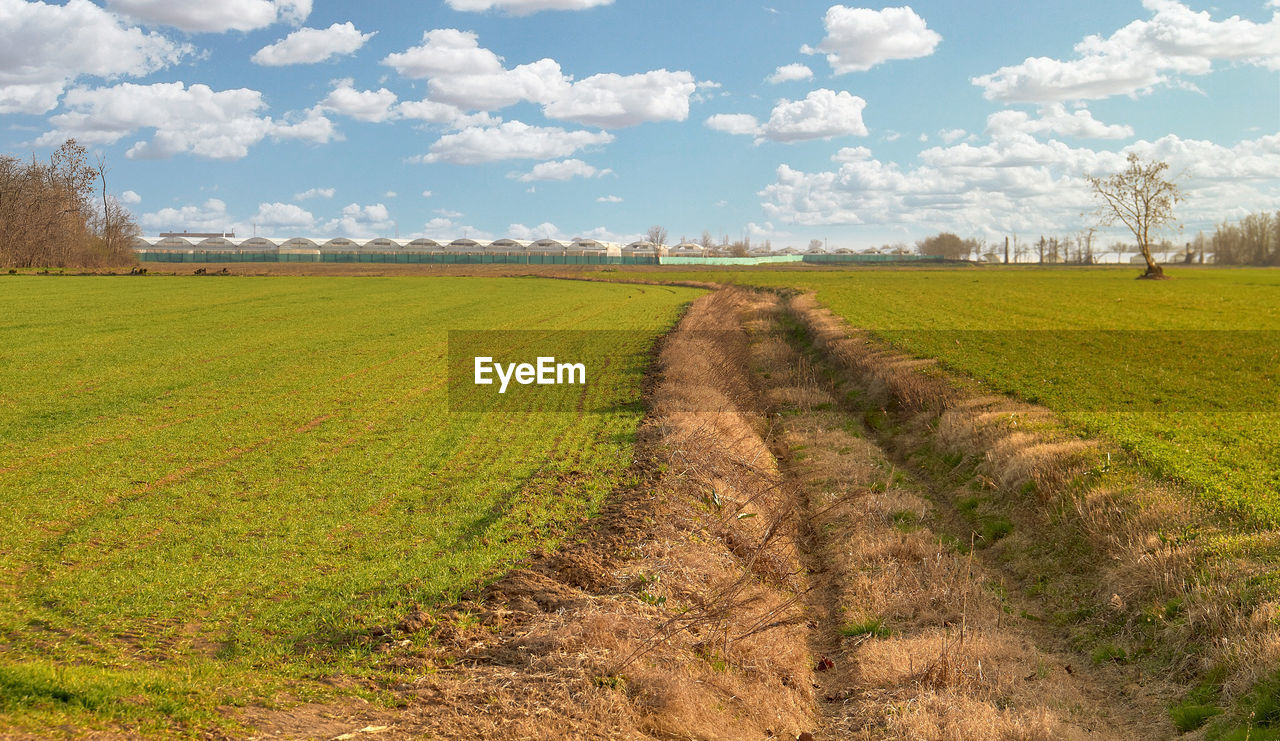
{"x":430,"y":111}
{"x":363,"y":105}
{"x":545,"y":230}
{"x":275,"y":216}
{"x":614,"y":101}
{"x":525,"y":7}
{"x":214,"y":15}
{"x":790,"y":73}
{"x":561,"y":170}
{"x":1016,"y":182}
{"x":211,"y":216}
{"x":461,"y":73}
{"x":1175,"y":43}
{"x":740,"y":124}
{"x":195,"y":120}
{"x":951,"y":135}
{"x":609,"y":199}
{"x":511,"y":140}
{"x":823,"y":114}
{"x":314,"y":193}
{"x":860,"y":38}
{"x":312,"y":45}
{"x":446,"y":229}
{"x":361,"y":221}
{"x":130,"y":198}
{"x":1054,"y":119}
{"x":311,"y":126}
{"x":43,"y":48}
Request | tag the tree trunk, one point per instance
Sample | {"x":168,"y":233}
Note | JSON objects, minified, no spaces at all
{"x":1154,"y":271}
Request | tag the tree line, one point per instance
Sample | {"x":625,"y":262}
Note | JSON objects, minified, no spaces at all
{"x":58,"y":213}
{"x":1254,"y":240}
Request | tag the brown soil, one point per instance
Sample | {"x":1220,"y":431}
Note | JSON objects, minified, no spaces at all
{"x":783,"y":574}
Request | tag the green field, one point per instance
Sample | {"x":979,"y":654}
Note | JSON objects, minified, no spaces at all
{"x":213,"y":489}
{"x":1183,"y":374}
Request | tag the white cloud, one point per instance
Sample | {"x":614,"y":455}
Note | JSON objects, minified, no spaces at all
{"x":445,"y":228}
{"x":312,"y":126}
{"x":277,"y":216}
{"x":130,"y":198}
{"x":312,"y":45}
{"x":214,"y":15}
{"x":1054,"y":119}
{"x":314,"y":193}
{"x":790,"y":73}
{"x":195,"y":120}
{"x":1017,"y":182}
{"x":430,"y":111}
{"x":461,"y":73}
{"x":741,"y":124}
{"x":511,"y":140}
{"x":952,"y":135}
{"x":464,"y":74}
{"x":561,"y":170}
{"x":1176,"y":42}
{"x":859,"y":38}
{"x":427,"y":194}
{"x":545,"y":230}
{"x":390,"y":194}
{"x":211,"y":216}
{"x":823,"y":114}
{"x":361,"y":221}
{"x":615,"y":101}
{"x":43,"y":48}
{"x":362,"y":105}
{"x":525,"y":7}
{"x":609,"y":199}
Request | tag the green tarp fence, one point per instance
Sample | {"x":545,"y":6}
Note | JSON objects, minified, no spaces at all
{"x":398,"y":258}
{"x":447,"y":258}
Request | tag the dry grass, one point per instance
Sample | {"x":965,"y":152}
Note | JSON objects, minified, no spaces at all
{"x":919,"y":642}
{"x":678,"y":615}
{"x":1105,"y":536}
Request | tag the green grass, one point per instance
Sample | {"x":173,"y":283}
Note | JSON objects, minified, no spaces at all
{"x":871,"y":627}
{"x":215,"y":489}
{"x":1183,"y":374}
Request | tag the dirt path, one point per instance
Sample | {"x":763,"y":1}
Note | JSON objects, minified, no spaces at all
{"x":915,"y":634}
{"x":776,"y":574}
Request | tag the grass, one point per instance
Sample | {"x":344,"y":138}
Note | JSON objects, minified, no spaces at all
{"x":871,"y":627}
{"x":217,"y":489}
{"x":1182,"y":374}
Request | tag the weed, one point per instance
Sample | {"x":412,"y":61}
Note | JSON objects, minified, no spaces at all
{"x":871,"y":627}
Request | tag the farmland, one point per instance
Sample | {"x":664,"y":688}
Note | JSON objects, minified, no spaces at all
{"x":1182,"y":374}
{"x":216,"y":488}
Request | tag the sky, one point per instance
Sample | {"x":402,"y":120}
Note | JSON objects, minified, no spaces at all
{"x":786,"y":121}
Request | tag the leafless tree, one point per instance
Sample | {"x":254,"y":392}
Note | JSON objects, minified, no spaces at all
{"x":48,"y":217}
{"x":657,"y":235}
{"x":1141,"y":198}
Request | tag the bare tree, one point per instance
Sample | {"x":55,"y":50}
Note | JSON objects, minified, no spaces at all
{"x":708,"y":242}
{"x":48,"y":216}
{"x":657,"y":235}
{"x":1141,"y":198}
{"x":1085,"y":240}
{"x":815,"y":245}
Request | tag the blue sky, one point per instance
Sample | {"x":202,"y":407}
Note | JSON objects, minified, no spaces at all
{"x":784,"y":121}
